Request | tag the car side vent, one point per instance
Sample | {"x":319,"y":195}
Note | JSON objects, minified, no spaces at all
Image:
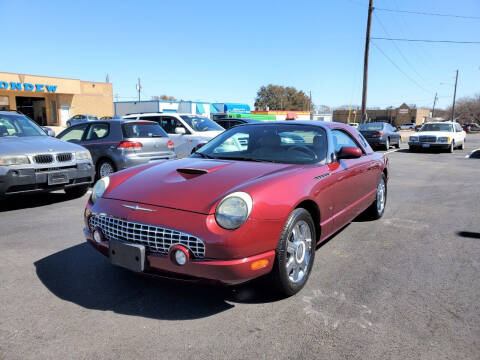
{"x":190,"y":171}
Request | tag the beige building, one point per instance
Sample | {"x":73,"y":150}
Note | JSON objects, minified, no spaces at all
{"x":51,"y":100}
{"x":395,"y":116}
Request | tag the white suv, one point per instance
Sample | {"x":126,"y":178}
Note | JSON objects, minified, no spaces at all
{"x":446,"y":135}
{"x":187,"y":131}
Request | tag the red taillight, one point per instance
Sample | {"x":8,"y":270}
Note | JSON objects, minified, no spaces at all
{"x":378,"y":134}
{"x":170,"y":144}
{"x":130,"y":145}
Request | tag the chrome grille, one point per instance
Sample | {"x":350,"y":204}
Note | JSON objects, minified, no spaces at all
{"x":155,"y":239}
{"x":426,"y":138}
{"x":64,"y":157}
{"x":43,"y":159}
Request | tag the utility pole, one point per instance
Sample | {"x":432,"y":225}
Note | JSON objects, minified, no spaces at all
{"x":139,"y":88}
{"x":365,"y":63}
{"x":454,"y":96}
{"x":434,"y":103}
{"x":311,"y":107}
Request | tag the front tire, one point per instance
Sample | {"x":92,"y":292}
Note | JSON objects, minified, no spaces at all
{"x":376,"y":210}
{"x":77,"y":191}
{"x":295,"y":253}
{"x":452,"y":147}
{"x":387,"y":144}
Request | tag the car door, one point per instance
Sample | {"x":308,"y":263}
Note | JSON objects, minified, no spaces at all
{"x":183,"y":145}
{"x":459,"y":134}
{"x":96,"y":141}
{"x":353,"y":179}
{"x":394,"y":135}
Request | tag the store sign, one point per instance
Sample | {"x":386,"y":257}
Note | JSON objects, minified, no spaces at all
{"x":403,"y":111}
{"x":27,"y":87}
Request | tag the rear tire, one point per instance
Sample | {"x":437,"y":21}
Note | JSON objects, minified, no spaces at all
{"x":387,"y":144}
{"x":462,"y":147}
{"x":77,"y":191}
{"x":295,"y":253}
{"x":376,"y":210}
{"x":397,"y":145}
{"x":105,"y":168}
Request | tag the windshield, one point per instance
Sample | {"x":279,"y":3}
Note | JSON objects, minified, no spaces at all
{"x":437,"y":127}
{"x":201,"y":123}
{"x":143,"y":130}
{"x":290,"y":144}
{"x":370,"y":127}
{"x":18,"y":125}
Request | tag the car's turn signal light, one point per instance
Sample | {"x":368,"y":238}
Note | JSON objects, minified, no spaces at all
{"x":259,"y":264}
{"x":170,"y":145}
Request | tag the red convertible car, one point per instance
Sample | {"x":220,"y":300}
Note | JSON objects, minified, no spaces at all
{"x":255,"y":200}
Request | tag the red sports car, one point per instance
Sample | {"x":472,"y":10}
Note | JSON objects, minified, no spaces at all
{"x":255,"y":200}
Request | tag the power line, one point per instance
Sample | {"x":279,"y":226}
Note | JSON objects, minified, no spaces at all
{"x":427,"y":40}
{"x":399,"y":69}
{"x":429,"y":14}
{"x":399,"y":51}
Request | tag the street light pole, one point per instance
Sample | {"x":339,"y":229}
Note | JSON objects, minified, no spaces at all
{"x":454,"y":96}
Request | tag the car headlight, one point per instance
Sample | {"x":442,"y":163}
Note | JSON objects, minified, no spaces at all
{"x":6,"y":160}
{"x":99,"y":188}
{"x":444,"y":139}
{"x":413,"y":138}
{"x":83,"y":155}
{"x":233,"y":210}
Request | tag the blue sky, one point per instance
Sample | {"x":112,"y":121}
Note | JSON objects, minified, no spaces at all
{"x":225,"y":50}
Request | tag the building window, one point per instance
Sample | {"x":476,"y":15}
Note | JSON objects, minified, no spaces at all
{"x":4,"y":103}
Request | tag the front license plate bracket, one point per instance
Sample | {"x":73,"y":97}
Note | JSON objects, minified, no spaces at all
{"x":57,"y":178}
{"x":129,"y":256}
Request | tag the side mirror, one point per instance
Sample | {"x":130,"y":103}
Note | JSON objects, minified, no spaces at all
{"x":348,"y":152}
{"x":180,"y":130}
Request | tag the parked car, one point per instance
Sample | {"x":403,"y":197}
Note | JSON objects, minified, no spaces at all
{"x":475,"y":154}
{"x":234,"y":214}
{"x":380,"y":134}
{"x":186,"y":130}
{"x":228,"y":123}
{"x":32,"y":161}
{"x":471,"y":127}
{"x":354,"y":125}
{"x":80,"y":118}
{"x":48,"y":131}
{"x":120,"y":144}
{"x":407,"y":126}
{"x":438,"y":135}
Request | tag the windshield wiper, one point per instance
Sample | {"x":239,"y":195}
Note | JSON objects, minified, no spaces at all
{"x":204,"y":156}
{"x":244,"y":159}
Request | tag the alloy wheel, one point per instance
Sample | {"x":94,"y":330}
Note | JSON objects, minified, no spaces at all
{"x":106,"y":169}
{"x":299,"y":246}
{"x":381,"y":196}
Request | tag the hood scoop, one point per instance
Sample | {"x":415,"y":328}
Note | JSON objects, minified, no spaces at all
{"x":192,"y":171}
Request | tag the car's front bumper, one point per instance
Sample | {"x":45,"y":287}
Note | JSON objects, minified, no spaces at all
{"x":229,"y":255}
{"x":426,"y":146}
{"x":15,"y":180}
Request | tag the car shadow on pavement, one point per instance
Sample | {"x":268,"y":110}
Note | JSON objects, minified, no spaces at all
{"x":25,"y":201}
{"x":468,"y":234}
{"x":82,"y":276}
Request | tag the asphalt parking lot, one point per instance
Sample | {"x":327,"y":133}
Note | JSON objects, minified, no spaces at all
{"x":404,"y":287}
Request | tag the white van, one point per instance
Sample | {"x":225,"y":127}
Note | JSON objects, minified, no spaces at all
{"x":186,"y":130}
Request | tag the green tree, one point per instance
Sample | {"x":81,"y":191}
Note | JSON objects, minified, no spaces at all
{"x":277,"y":97}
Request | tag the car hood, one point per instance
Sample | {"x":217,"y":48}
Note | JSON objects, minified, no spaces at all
{"x":191,"y":184}
{"x":34,"y":145}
